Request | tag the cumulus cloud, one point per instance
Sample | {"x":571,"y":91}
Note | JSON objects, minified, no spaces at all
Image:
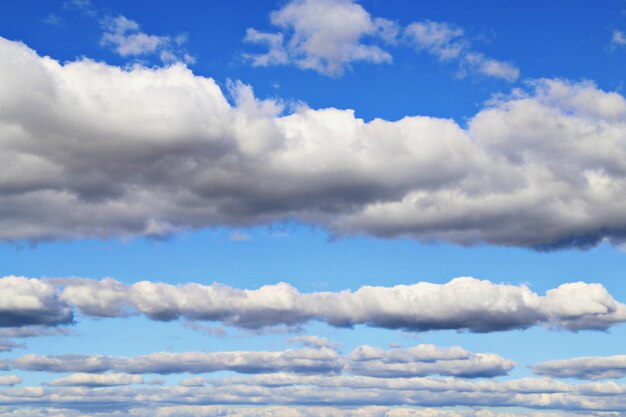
{"x":462,"y":304}
{"x":8,"y":380}
{"x":448,"y":43}
{"x":124,"y":36}
{"x":425,"y":360}
{"x":95,"y":151}
{"x":95,"y":380}
{"x":365,"y":360}
{"x":593,"y":367}
{"x":26,"y":301}
{"x":322,"y":35}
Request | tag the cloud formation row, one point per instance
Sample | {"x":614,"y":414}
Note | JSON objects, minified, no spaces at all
{"x":93,"y":150}
{"x":336,"y":391}
{"x":283,"y":411}
{"x":462,"y":304}
{"x":421,"y":360}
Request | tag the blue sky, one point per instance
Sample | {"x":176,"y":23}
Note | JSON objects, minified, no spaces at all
{"x":306,"y":208}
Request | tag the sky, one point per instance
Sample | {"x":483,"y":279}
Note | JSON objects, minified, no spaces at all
{"x":307,"y":208}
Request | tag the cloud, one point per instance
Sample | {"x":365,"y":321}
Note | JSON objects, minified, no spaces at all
{"x":425,"y":360}
{"x":313,"y":342}
{"x":618,"y":38}
{"x":336,"y":393}
{"x":95,"y":380}
{"x":124,"y":36}
{"x":593,"y":367}
{"x":284,"y":411}
{"x":304,"y":361}
{"x":448,"y":43}
{"x":326,"y":36}
{"x":421,"y":360}
{"x":9,"y":345}
{"x":8,"y":380}
{"x":239,"y":237}
{"x":34,"y":331}
{"x":462,"y":304}
{"x":26,"y":301}
{"x":97,"y":151}
{"x":197,"y":381}
{"x":84,"y":7}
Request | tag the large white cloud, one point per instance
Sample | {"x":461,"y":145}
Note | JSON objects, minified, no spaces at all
{"x":462,"y":304}
{"x":93,"y":150}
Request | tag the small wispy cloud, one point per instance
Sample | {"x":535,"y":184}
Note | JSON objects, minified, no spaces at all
{"x":618,"y":38}
{"x":328,"y":36}
{"x":239,"y":237}
{"x":448,"y":43}
{"x":125,"y":37}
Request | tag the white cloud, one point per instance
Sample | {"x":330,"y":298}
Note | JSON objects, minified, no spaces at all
{"x":618,"y":38}
{"x":26,"y":301}
{"x":425,"y":360}
{"x":421,"y":360}
{"x":305,"y":361}
{"x":8,"y":380}
{"x":336,"y":393}
{"x":95,"y":380}
{"x":448,"y":43}
{"x":327,"y":36}
{"x":462,"y":304}
{"x":322,"y":35}
{"x":92,"y":150}
{"x":284,"y":411}
{"x":124,"y":36}
{"x":593,"y":367}
{"x":197,"y":381}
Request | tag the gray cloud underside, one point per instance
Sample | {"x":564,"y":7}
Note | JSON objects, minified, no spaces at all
{"x":91,"y":150}
{"x":593,"y":367}
{"x":462,"y":304}
{"x":421,"y":360}
{"x":335,"y":391}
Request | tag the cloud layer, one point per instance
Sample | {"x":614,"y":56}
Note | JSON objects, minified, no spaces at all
{"x":290,"y":390}
{"x":593,"y":367}
{"x":92,"y":150}
{"x":421,"y":360}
